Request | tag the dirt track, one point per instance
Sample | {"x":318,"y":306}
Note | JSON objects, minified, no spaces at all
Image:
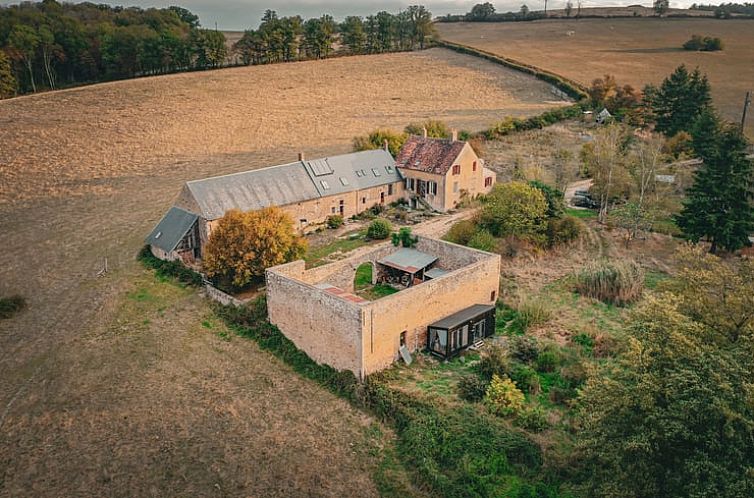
{"x":110,"y":386}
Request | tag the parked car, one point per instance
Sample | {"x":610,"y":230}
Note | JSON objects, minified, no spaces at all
{"x":585,"y":201}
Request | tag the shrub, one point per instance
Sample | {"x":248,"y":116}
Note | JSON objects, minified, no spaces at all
{"x":483,"y":240}
{"x":515,"y":209}
{"x":494,"y":361}
{"x":404,"y":238}
{"x":524,"y":348}
{"x":532,"y":312}
{"x":434,"y":127}
{"x":503,"y":398}
{"x":472,"y":387}
{"x":376,"y":140}
{"x":9,"y":306}
{"x":526,"y":379}
{"x":564,"y":230}
{"x":585,"y":341}
{"x":616,"y":282}
{"x":461,"y":232}
{"x":532,"y":419}
{"x":704,"y":44}
{"x":379,"y":229}
{"x":554,"y":197}
{"x":547,"y":361}
{"x":334,"y":221}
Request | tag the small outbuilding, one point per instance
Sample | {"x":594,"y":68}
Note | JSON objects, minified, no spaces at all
{"x":451,"y":335}
{"x":405,"y":267}
{"x":176,"y":236}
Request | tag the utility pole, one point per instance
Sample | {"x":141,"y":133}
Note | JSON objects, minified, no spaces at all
{"x":747,"y":103}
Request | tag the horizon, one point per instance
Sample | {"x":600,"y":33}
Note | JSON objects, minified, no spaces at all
{"x":239,"y":15}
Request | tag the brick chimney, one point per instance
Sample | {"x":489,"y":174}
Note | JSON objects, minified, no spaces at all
{"x":424,"y":132}
{"x":301,"y":156}
{"x":454,"y":135}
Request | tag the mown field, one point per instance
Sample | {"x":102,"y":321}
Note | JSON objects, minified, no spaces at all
{"x":636,"y":51}
{"x":124,"y":385}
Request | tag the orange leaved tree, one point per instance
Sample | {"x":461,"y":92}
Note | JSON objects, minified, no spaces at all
{"x":243,"y":245}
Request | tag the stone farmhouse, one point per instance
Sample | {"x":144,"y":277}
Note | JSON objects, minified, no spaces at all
{"x":446,"y":304}
{"x":429,"y":173}
{"x":439,"y":173}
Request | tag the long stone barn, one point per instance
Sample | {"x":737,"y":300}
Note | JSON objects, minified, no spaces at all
{"x":445,"y":304}
{"x":429,"y":173}
{"x":308,"y":190}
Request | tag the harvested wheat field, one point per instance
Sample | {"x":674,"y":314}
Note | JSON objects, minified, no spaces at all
{"x":636,"y":51}
{"x":124,"y":385}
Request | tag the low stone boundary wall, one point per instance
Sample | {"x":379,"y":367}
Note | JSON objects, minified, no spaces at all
{"x":221,"y":297}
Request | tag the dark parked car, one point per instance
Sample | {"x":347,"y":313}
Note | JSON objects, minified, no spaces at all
{"x":583,"y":199}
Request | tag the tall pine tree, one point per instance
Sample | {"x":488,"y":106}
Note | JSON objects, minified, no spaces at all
{"x":681,"y":98}
{"x":719,"y":204}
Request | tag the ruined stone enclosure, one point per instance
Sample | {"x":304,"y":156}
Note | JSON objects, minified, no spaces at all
{"x":318,"y":308}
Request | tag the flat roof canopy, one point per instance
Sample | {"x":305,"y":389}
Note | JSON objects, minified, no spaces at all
{"x":408,"y":260}
{"x":463,"y":316}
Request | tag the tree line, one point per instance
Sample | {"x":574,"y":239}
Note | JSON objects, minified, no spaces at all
{"x":284,"y":39}
{"x":48,"y":45}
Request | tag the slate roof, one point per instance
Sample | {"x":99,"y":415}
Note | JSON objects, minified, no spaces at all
{"x":349,"y":172}
{"x":456,"y":319}
{"x":252,"y":190}
{"x":294,"y":182}
{"x":171,"y":229}
{"x":408,"y":260}
{"x":432,"y":155}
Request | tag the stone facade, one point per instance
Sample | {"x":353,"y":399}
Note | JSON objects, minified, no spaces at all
{"x":364,"y":336}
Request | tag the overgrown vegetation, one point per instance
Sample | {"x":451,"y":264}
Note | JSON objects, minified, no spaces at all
{"x":170,"y":269}
{"x":614,"y":282}
{"x":11,"y":305}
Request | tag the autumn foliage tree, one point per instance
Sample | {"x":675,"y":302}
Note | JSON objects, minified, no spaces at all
{"x":243,"y":245}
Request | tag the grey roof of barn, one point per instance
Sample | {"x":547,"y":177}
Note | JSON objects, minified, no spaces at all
{"x":456,"y":319}
{"x":408,"y":260}
{"x":171,"y":229}
{"x":294,"y":182}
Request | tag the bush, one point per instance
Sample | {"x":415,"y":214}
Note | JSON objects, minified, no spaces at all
{"x":9,"y":306}
{"x":532,"y":419}
{"x":547,"y":361}
{"x":526,"y":379}
{"x":564,"y":230}
{"x":515,"y":209}
{"x":483,"y":240}
{"x":532,"y":312}
{"x":434,"y":127}
{"x":461,"y":232}
{"x":503,"y":398}
{"x":472,"y":387}
{"x":334,"y":221}
{"x":379,"y":229}
{"x":618,"y":282}
{"x":554,"y":197}
{"x":494,"y":361}
{"x":376,"y":140}
{"x":404,"y":238}
{"x":524,"y":348}
{"x":703,"y":44}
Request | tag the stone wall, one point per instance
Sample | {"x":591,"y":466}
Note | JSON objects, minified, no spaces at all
{"x":323,"y":325}
{"x":365,"y":337}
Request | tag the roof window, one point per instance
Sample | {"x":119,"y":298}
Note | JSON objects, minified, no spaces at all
{"x":376,"y":172}
{"x":325,"y":185}
{"x":344,"y":181}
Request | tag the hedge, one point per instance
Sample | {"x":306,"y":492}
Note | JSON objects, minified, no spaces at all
{"x":172,"y":269}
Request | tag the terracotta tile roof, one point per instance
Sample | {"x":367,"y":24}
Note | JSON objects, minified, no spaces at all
{"x":433,"y":155}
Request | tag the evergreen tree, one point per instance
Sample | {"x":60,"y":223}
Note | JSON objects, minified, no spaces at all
{"x":681,"y":98}
{"x":719,"y":204}
{"x":352,"y":34}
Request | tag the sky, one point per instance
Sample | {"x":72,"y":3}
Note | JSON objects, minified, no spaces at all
{"x":243,"y":14}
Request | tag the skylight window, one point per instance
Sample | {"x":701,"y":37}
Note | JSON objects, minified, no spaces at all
{"x":359,"y":173}
{"x":376,"y":172}
{"x":389,"y":169}
{"x":325,"y":185}
{"x":344,"y":181}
